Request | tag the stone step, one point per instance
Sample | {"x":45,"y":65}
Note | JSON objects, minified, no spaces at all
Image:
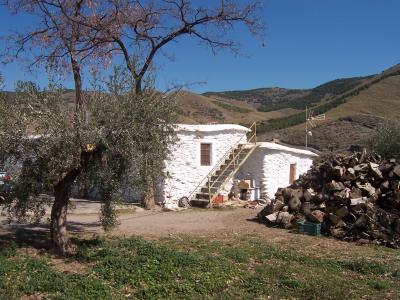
{"x":199,"y":203}
{"x":205,"y":190}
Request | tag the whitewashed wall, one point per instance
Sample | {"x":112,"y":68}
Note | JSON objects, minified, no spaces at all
{"x":270,"y":163}
{"x":183,"y":168}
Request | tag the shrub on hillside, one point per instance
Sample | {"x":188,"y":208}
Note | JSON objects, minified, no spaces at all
{"x":386,"y":140}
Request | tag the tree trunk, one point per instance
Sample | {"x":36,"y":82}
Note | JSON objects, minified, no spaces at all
{"x":148,"y":199}
{"x":78,"y":84}
{"x":138,"y":86}
{"x":58,"y":222}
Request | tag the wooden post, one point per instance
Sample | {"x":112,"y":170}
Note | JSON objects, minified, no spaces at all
{"x":255,"y":133}
{"x":209,"y":191}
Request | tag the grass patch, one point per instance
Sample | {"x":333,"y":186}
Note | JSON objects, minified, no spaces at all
{"x":183,"y":267}
{"x":231,"y":107}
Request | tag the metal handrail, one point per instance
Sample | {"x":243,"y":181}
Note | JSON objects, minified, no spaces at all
{"x":227,"y":154}
{"x":230,"y":163}
{"x":236,"y":168}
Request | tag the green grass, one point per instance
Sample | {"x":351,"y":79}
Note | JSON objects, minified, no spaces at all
{"x":184,"y":267}
{"x":231,"y":107}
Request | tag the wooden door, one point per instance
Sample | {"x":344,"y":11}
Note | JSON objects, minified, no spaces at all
{"x":292,"y":173}
{"x":205,"y":154}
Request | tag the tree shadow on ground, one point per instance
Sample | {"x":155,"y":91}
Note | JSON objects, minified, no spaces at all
{"x":38,"y":235}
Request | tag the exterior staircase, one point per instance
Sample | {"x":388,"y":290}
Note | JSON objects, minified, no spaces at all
{"x":205,"y":193}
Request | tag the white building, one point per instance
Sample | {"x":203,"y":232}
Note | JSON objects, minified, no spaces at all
{"x":207,"y":158}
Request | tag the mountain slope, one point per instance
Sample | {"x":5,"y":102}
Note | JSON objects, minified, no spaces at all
{"x":270,"y":99}
{"x":352,"y":122}
{"x":194,"y":109}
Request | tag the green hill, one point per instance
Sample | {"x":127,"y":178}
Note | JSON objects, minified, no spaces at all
{"x":270,"y":99}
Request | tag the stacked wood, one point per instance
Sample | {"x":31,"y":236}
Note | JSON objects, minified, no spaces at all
{"x":354,"y":198}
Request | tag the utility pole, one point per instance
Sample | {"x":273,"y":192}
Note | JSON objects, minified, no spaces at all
{"x":306,"y":129}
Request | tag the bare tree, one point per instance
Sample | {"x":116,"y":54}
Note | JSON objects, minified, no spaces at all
{"x":138,"y":30}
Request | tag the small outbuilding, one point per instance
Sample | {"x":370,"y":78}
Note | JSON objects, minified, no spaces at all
{"x":209,"y":160}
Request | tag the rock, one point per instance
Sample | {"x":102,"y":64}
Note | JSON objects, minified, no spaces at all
{"x":316,"y":216}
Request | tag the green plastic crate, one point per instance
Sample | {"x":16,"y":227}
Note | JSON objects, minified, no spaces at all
{"x":306,"y":227}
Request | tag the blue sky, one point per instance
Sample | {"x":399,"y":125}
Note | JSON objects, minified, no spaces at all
{"x":308,"y":42}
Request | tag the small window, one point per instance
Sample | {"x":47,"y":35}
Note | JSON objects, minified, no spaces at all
{"x":205,"y":154}
{"x":292,"y":174}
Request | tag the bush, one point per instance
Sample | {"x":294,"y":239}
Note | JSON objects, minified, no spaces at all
{"x":386,"y":140}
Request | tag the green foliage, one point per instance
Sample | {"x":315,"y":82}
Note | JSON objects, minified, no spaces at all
{"x":199,"y":268}
{"x":231,"y":107}
{"x":386,"y":140}
{"x":120,"y":138}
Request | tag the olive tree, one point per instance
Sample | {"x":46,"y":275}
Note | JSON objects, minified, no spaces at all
{"x":38,"y":135}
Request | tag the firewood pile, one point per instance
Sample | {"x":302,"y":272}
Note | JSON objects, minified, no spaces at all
{"x":354,"y":198}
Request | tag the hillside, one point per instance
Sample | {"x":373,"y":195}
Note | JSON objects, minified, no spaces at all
{"x":353,"y":108}
{"x":351,"y":122}
{"x":270,"y":99}
{"x":194,"y":109}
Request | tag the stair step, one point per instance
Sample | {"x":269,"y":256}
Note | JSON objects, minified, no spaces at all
{"x":204,"y":196}
{"x":199,"y":202}
{"x":205,"y":190}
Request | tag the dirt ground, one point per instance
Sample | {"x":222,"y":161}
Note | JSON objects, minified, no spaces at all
{"x":225,"y":223}
{"x":84,"y":218}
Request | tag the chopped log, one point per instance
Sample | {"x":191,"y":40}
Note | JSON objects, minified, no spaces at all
{"x":375,"y":170}
{"x":338,"y":171}
{"x":335,"y":186}
{"x":396,"y":171}
{"x":285,"y":219}
{"x":308,"y":194}
{"x":316,"y":216}
{"x":271,"y":218}
{"x":355,"y":192}
{"x":356,"y":197}
{"x":361,"y":222}
{"x":306,"y":208}
{"x":357,"y":201}
{"x":342,"y":212}
{"x":338,"y":222}
{"x":277,"y":205}
{"x":294,"y":204}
